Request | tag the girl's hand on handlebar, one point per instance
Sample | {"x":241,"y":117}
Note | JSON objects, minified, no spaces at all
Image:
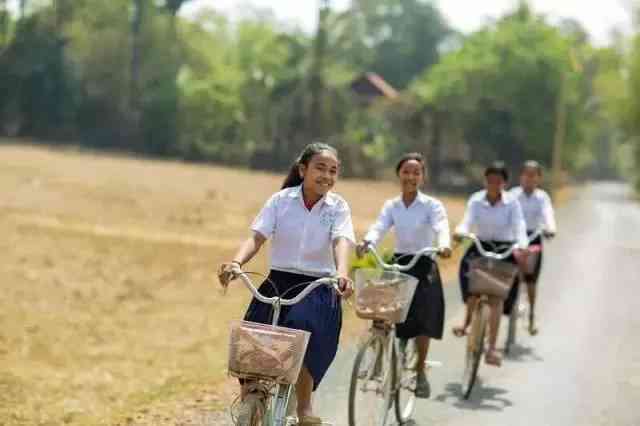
{"x":458,"y":238}
{"x":227,"y":273}
{"x":345,"y":284}
{"x":445,"y":252}
{"x":521,"y":257}
{"x":362,"y":249}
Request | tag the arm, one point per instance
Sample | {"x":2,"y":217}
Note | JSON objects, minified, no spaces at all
{"x":548,"y":215}
{"x":519,"y":226}
{"x":245,"y":253}
{"x":441,"y":227}
{"x":342,"y":241}
{"x":341,"y":252}
{"x":249,"y":248}
{"x":263,"y":227}
{"x":379,"y":229}
{"x":468,"y":221}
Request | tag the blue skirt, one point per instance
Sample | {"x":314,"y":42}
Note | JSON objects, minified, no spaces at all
{"x":472,"y":253}
{"x":320,"y":313}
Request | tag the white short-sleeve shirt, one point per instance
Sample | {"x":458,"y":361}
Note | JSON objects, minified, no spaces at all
{"x":536,"y":208}
{"x":302,"y":240}
{"x":502,"y":221}
{"x":418,"y":226}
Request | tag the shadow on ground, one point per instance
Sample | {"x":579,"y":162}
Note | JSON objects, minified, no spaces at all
{"x":482,"y":397}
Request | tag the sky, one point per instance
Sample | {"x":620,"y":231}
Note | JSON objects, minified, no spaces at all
{"x":597,"y":16}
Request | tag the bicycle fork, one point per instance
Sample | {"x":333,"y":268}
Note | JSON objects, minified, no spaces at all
{"x":278,"y":411}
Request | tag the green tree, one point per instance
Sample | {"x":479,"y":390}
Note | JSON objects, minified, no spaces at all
{"x":398,"y":39}
{"x":501,"y":87}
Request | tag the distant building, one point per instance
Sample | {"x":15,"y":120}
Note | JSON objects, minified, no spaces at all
{"x":370,"y":86}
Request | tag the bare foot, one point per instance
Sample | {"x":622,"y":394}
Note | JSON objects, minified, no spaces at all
{"x":492,"y":358}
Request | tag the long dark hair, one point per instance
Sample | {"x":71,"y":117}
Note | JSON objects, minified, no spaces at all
{"x":309,"y":151}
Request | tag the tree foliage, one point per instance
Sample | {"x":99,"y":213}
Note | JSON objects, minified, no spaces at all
{"x":136,"y":75}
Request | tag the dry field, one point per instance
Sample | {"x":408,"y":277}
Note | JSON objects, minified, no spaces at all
{"x":109,"y":308}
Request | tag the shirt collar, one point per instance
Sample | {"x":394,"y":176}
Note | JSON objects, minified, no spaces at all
{"x":421,"y":198}
{"x":504,"y":199}
{"x":328,"y":198}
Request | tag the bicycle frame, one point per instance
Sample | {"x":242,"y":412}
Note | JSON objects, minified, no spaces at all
{"x":278,"y":401}
{"x":427,"y":251}
{"x":385,"y":333}
{"x":479,"y":316}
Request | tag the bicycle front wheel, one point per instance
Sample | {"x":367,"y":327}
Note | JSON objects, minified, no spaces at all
{"x":405,"y":391}
{"x":251,"y":410}
{"x":513,"y":325}
{"x":475,"y":349}
{"x":371,"y":385}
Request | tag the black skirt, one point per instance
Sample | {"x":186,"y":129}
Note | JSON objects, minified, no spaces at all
{"x":426,"y":314}
{"x":320,"y":313}
{"x":533,"y":278}
{"x":472,"y":253}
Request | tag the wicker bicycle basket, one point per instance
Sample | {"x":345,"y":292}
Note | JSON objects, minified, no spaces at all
{"x":384,"y":295}
{"x":491,"y":277}
{"x":259,"y":351}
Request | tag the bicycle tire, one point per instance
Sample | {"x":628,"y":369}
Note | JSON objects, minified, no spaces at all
{"x":248,"y":410}
{"x":405,"y":378}
{"x":475,"y":349}
{"x":371,"y":416}
{"x":513,"y":325}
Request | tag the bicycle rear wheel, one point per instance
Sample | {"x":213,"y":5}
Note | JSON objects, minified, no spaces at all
{"x":405,"y":386}
{"x":475,"y":348}
{"x":371,"y":381}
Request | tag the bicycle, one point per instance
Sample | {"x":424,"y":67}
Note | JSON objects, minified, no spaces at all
{"x":268,"y":358}
{"x":489,"y":276}
{"x":384,"y":370}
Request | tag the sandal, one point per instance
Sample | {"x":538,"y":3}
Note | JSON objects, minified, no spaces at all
{"x":459,"y":331}
{"x":492,"y":358}
{"x":533,"y":329}
{"x":309,"y":421}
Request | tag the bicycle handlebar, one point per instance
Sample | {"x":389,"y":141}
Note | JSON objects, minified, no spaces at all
{"x":494,"y":255}
{"x":238,"y":273}
{"x":402,"y":268}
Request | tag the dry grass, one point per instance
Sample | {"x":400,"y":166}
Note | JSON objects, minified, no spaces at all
{"x":109,"y":303}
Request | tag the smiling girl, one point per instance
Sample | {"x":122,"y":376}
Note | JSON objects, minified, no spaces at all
{"x":311,"y":237}
{"x":419,"y":221}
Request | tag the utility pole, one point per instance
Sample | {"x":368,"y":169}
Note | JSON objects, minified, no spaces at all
{"x":560,"y":133}
{"x":561,"y":123}
{"x":23,"y":8}
{"x":316,"y":80}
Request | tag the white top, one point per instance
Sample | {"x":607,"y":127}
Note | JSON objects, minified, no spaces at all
{"x":501,"y":222}
{"x":302,"y":240}
{"x":416,"y":226}
{"x":536,"y":208}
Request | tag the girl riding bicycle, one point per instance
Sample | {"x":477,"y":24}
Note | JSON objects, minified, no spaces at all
{"x":419,"y":221}
{"x":312,"y":236}
{"x":497,"y":219}
{"x":538,"y":213}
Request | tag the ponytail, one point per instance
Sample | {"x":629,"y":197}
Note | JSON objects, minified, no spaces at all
{"x":293,"y":178}
{"x":309,"y":151}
